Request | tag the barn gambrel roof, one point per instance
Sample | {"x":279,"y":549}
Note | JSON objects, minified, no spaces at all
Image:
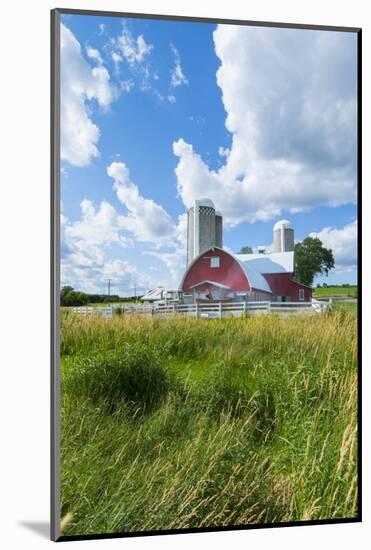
{"x":253,"y":275}
{"x":276,"y":262}
{"x":256,"y":279}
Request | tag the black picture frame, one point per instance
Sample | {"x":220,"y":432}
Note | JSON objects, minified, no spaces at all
{"x":55,"y":267}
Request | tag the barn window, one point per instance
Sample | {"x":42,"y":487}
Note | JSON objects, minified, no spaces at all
{"x":301,"y":294}
{"x":215,"y":261}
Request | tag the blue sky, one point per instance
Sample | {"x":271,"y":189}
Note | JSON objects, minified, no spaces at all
{"x":155,"y":114}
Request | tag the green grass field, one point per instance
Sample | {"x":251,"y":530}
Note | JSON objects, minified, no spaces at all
{"x":346,"y":306}
{"x":185,"y":423}
{"x":335,"y":291}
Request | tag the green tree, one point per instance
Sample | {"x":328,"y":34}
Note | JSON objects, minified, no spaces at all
{"x":312,"y":258}
{"x":71,"y":297}
{"x":65,"y":290}
{"x":245,"y":250}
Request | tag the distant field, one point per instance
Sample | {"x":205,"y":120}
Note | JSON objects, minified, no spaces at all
{"x":346,"y":306}
{"x":350,"y":292}
{"x":185,"y":423}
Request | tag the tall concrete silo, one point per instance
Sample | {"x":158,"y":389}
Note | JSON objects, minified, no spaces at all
{"x":201,"y":233}
{"x":283,"y":237}
{"x":218,"y":229}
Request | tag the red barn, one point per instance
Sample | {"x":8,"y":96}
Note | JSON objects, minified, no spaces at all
{"x":218,"y":275}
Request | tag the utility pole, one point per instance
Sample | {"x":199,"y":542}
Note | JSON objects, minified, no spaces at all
{"x":109,"y":287}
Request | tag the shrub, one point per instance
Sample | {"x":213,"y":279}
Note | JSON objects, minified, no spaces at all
{"x":130,"y":377}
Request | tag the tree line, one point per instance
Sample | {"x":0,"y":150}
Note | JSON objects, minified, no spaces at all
{"x":71,"y":297}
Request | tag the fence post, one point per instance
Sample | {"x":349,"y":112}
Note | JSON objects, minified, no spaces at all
{"x":173,"y":309}
{"x":269,"y":308}
{"x":197,"y":310}
{"x":245,"y":309}
{"x":220,"y":310}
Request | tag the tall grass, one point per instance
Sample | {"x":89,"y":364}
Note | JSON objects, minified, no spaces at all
{"x":191,"y":423}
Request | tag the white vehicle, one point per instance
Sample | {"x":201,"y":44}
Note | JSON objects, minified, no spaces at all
{"x":172,"y":296}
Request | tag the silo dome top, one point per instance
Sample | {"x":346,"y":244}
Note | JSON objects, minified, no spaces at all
{"x":282,"y":224}
{"x":218,"y":213}
{"x":204,"y":202}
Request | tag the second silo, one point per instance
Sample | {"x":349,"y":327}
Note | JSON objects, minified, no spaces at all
{"x":218,"y":229}
{"x":283,"y":237}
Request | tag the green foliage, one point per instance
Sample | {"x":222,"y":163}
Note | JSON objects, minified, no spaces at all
{"x":186,"y":423}
{"x":112,"y":299}
{"x":71,"y":297}
{"x":245,"y":250}
{"x":312,"y":258}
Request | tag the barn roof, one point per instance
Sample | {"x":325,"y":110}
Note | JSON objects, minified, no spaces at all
{"x":153,"y":294}
{"x":256,"y":279}
{"x":276,"y":262}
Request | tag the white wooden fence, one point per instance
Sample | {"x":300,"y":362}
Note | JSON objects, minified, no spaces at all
{"x":209,"y":310}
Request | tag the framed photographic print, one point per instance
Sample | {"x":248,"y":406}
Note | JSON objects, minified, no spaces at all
{"x":206,"y":192}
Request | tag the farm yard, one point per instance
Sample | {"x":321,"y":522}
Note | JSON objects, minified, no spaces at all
{"x":189,"y":423}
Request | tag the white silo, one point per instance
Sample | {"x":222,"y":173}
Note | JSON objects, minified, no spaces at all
{"x":283,"y":237}
{"x":201,"y":233}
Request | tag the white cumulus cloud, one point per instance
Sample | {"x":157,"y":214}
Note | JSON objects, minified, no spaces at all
{"x":149,"y":222}
{"x":98,"y":226}
{"x":146,"y":220}
{"x":85,"y":244}
{"x":290,"y":101}
{"x":175,"y":258}
{"x":80,"y":85}
{"x":135,"y":50}
{"x":94,"y":54}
